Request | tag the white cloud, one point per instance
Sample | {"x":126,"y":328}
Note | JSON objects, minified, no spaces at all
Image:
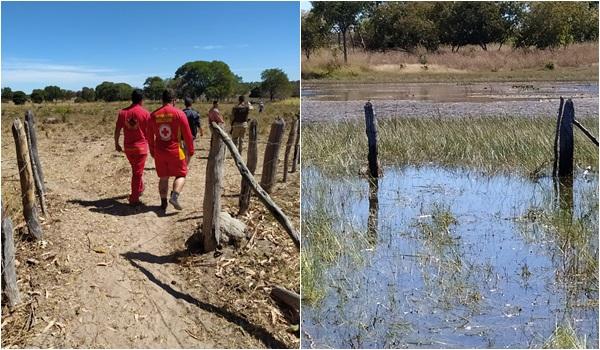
{"x":209,"y":47}
{"x":40,"y":73}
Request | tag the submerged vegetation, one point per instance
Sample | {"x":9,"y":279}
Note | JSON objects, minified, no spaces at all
{"x":520,"y":144}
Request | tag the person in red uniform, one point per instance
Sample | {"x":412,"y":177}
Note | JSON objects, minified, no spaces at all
{"x":133,"y":120}
{"x":166,"y":127}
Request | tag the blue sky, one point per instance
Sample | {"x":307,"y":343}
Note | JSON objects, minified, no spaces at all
{"x":76,"y":44}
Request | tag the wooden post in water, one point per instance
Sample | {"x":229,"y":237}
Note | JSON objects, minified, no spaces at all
{"x":288,"y":148}
{"x":296,"y":160}
{"x":251,"y":163}
{"x":373,"y":218}
{"x":27,"y":182}
{"x":35,"y":167}
{"x":557,"y":132}
{"x":32,"y":136}
{"x":564,"y":152}
{"x":371,"y":128}
{"x":211,"y":225}
{"x":9,"y":271}
{"x":272,"y":155}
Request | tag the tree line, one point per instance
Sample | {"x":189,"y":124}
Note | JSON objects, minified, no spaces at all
{"x":381,"y":26}
{"x":199,"y":80}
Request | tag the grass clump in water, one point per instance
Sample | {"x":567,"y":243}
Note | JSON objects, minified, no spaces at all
{"x":490,"y":144}
{"x":564,"y":337}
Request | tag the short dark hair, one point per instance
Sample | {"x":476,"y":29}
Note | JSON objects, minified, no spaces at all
{"x":242,"y":98}
{"x":168,"y":95}
{"x":188,"y":101}
{"x":137,"y":95}
{"x":215,"y":102}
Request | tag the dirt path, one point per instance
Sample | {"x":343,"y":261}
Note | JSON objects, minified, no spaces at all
{"x":114,"y":277}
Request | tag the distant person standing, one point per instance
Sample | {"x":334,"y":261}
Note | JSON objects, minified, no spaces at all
{"x":193,"y":118}
{"x":239,"y":121}
{"x":214,"y":115}
{"x":133,"y":120}
{"x":166,"y":127}
{"x":261,"y":106}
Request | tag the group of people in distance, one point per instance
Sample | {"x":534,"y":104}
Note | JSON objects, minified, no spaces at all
{"x":168,"y":134}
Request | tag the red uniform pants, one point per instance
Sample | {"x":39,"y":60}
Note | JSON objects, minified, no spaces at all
{"x":137,"y":161}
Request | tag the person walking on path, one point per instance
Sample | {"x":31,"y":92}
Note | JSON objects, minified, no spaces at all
{"x":133,"y":120}
{"x":239,"y":122}
{"x":193,"y":118}
{"x":214,"y":115}
{"x":166,"y":128}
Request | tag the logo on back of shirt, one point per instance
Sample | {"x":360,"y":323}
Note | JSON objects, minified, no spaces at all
{"x":132,"y":123}
{"x":164,"y":130}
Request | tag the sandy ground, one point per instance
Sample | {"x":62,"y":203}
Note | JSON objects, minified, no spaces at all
{"x":111,"y":276}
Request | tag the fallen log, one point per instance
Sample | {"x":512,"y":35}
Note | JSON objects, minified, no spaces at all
{"x":286,"y":297}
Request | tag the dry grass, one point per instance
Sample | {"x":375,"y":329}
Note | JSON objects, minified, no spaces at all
{"x":574,"y":62}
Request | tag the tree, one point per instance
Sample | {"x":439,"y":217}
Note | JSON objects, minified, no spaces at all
{"x":37,"y":96}
{"x":7,"y":94}
{"x":87,"y":94}
{"x":314,"y":33}
{"x":19,"y":98}
{"x":109,"y":91}
{"x":153,"y":88}
{"x":53,"y":93}
{"x":211,"y":79}
{"x":339,"y":15}
{"x":275,"y":83}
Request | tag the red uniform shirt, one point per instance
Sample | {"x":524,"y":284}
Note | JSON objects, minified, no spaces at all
{"x":166,"y":128}
{"x":133,"y":120}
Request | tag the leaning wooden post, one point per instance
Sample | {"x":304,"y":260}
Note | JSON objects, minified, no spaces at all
{"x":564,"y":146}
{"x":29,"y":119}
{"x":9,"y":271}
{"x":296,"y":160}
{"x":26,"y":177}
{"x":252,"y":160}
{"x":211,"y":224}
{"x":371,"y":124}
{"x":586,"y":132}
{"x":260,"y":192}
{"x":288,"y":148}
{"x":35,"y":167}
{"x":272,"y":155}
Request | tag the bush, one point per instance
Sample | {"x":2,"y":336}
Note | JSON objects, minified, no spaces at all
{"x":19,"y":98}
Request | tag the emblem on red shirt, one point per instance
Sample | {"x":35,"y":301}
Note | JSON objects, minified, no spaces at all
{"x":132,"y":123}
{"x":164,"y":130}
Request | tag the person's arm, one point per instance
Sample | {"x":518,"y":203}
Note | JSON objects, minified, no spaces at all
{"x":118,"y":128}
{"x":199,"y":124}
{"x":150,"y":136}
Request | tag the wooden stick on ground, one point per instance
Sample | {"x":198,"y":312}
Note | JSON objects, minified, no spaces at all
{"x":26,"y":178}
{"x":286,"y":297}
{"x":260,"y":192}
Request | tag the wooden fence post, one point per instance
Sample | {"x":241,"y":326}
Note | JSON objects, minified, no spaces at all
{"x":288,"y":148}
{"x":296,"y":148}
{"x":373,"y":219}
{"x":272,"y":155}
{"x":35,"y":167}
{"x":26,"y":177}
{"x":260,"y":192}
{"x":211,"y":224}
{"x":371,"y":129}
{"x":32,"y":135}
{"x":9,"y":271}
{"x":564,"y":150}
{"x":557,"y":132}
{"x":251,"y":163}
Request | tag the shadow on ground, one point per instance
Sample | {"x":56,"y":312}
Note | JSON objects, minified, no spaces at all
{"x":114,"y":206}
{"x":256,"y":331}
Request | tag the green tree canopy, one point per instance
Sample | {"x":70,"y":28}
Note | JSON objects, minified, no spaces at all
{"x":53,"y":93}
{"x":275,"y":83}
{"x":153,"y":88}
{"x":314,"y":33}
{"x":211,"y":79}
{"x":38,"y":96}
{"x":19,"y":98}
{"x":340,"y":16}
{"x":109,"y":91}
{"x":7,"y":94}
{"x":87,"y":94}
